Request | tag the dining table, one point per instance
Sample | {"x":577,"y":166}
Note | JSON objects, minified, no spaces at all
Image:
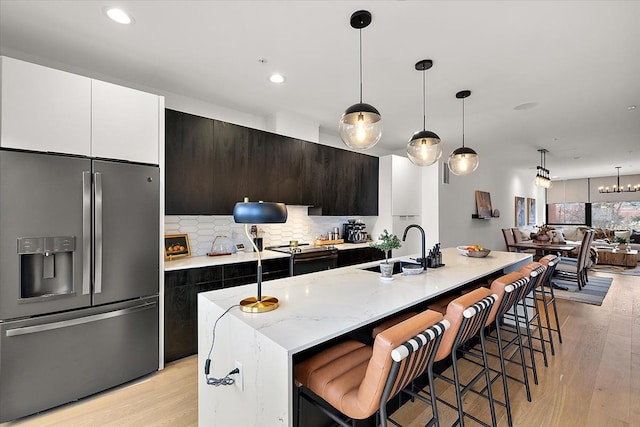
{"x":544,"y":248}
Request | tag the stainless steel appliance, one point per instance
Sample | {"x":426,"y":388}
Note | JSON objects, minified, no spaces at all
{"x":308,"y":259}
{"x":79,"y":266}
{"x":354,"y":232}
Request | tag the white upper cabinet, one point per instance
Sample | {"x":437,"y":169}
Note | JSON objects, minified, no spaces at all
{"x":124,"y":123}
{"x":405,"y":187}
{"x":44,"y":109}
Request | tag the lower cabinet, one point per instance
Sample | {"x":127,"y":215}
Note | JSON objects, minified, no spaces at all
{"x":358,"y":256}
{"x":181,"y":288}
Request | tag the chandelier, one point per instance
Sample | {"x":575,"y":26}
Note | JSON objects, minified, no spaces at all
{"x":619,"y":188}
{"x":542,"y":176}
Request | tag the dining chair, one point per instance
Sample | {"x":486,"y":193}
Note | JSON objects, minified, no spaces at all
{"x":575,"y":268}
{"x":509,"y":239}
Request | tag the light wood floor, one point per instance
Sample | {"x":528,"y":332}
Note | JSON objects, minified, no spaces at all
{"x":593,"y":380}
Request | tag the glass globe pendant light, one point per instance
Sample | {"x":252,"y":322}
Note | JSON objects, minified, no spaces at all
{"x":424,"y":148}
{"x":360,"y":126}
{"x":463,"y":160}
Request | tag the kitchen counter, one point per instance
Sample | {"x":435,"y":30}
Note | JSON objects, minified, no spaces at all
{"x":314,"y":309}
{"x":208,"y":261}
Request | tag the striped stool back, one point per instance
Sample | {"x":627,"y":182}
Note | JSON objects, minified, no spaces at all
{"x":511,"y":294}
{"x":535,"y":272}
{"x":549,"y":261}
{"x":474,"y":318}
{"x":411,"y":359}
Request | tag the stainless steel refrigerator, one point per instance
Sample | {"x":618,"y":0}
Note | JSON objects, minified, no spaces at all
{"x":79,"y":274}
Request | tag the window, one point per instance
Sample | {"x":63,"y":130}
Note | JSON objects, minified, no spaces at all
{"x":616,"y":215}
{"x":567,"y":213}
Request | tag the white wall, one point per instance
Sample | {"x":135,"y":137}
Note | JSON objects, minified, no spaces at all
{"x":457,"y":204}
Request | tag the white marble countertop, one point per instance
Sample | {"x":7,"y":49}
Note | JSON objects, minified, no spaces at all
{"x":208,"y":261}
{"x":319,"y":306}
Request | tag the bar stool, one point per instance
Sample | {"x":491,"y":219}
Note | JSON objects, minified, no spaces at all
{"x":467,"y":316}
{"x":357,"y":380}
{"x":550,"y":261}
{"x":534,"y":272}
{"x":391,"y":322}
{"x":508,"y":289}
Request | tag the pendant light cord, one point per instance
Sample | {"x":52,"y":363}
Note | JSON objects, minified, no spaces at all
{"x":360,"y":65}
{"x":424,"y":100}
{"x":462,"y":122}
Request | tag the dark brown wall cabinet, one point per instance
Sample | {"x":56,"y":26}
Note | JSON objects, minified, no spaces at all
{"x":211,"y":165}
{"x":181,"y":288}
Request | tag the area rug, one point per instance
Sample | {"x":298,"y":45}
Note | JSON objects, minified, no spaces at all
{"x":615,"y":269}
{"x":593,"y":293}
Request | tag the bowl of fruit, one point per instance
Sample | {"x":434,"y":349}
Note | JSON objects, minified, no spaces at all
{"x":474,"y":251}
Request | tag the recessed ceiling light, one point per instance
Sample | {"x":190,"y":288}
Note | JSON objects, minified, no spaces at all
{"x":276,"y":78}
{"x":119,"y":15}
{"x":632,"y":107}
{"x":526,"y":106}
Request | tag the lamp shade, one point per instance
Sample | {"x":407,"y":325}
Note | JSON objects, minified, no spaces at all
{"x":259,"y":213}
{"x":424,"y":149}
{"x":360,"y":126}
{"x":463,"y":161}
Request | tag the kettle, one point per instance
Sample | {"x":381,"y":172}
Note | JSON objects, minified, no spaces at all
{"x":221,"y":245}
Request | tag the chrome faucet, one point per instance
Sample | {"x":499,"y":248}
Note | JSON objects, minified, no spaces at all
{"x":423,"y":260}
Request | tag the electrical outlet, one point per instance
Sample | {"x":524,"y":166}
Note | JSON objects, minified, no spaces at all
{"x":239,"y":377}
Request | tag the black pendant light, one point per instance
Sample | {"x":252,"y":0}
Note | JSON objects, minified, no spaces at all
{"x":424,"y":148}
{"x":360,"y":126}
{"x":542,"y":174}
{"x":619,"y":188}
{"x":463,"y":160}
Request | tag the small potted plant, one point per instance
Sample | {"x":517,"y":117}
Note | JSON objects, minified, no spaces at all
{"x":622,"y":243}
{"x":386,"y":243}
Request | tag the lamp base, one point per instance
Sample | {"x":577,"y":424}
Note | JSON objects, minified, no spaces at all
{"x":252,"y":305}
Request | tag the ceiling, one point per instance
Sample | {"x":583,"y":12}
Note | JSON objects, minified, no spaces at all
{"x":578,"y":61}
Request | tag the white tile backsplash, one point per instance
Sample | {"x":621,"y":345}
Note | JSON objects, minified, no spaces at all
{"x":202,"y":229}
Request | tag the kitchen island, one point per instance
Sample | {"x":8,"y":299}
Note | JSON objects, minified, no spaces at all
{"x":314,"y":309}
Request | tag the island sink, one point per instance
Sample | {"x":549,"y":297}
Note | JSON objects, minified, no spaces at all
{"x":397,"y":267}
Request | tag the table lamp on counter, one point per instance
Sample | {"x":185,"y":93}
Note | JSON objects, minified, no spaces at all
{"x":246,"y":213}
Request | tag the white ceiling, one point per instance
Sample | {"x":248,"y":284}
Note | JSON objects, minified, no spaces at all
{"x":578,"y":60}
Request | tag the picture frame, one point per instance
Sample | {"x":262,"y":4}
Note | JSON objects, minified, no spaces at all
{"x":531,"y":211}
{"x":483,"y":204}
{"x":176,"y":246}
{"x":520,"y":211}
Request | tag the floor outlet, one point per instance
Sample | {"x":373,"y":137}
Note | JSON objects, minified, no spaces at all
{"x":239,"y":378}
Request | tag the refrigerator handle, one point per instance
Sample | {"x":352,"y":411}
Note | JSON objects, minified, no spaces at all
{"x":25,"y":330}
{"x":97,"y":234}
{"x":86,"y":232}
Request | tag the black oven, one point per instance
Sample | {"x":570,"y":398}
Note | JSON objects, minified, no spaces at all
{"x":308,"y":259}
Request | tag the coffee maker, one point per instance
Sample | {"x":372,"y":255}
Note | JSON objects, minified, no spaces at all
{"x":354,"y":232}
